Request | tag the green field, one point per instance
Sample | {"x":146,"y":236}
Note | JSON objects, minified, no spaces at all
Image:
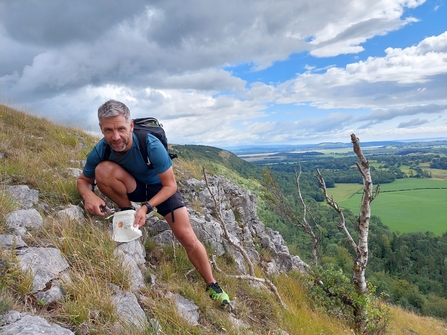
{"x":406,"y":205}
{"x":342,"y":192}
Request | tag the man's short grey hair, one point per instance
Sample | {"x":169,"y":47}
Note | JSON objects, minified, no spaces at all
{"x":113,"y":108}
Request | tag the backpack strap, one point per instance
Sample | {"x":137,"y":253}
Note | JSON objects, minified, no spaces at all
{"x":142,"y":138}
{"x":107,"y":153}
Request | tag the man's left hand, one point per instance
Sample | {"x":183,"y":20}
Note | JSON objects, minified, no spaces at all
{"x":140,"y":217}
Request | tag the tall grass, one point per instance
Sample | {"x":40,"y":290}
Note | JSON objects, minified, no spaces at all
{"x":37,"y":153}
{"x":94,"y":266}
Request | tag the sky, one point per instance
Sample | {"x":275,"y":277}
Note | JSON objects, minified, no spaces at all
{"x":229,"y":72}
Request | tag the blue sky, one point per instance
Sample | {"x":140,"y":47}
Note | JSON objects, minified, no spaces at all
{"x":227,"y":73}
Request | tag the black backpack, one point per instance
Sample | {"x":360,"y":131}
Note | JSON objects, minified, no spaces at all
{"x":143,"y":126}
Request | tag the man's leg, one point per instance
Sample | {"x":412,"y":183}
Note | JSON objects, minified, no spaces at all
{"x":184,"y":233}
{"x":196,"y":252}
{"x":115,"y":182}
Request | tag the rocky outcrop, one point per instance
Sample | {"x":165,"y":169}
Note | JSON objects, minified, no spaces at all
{"x":237,"y":207}
{"x":238,"y":210}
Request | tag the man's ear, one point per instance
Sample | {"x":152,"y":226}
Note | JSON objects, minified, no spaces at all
{"x":131,"y":125}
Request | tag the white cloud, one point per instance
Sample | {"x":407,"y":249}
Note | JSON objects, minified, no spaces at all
{"x":167,"y":59}
{"x":414,"y":75}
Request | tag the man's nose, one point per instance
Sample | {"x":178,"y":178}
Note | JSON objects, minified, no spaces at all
{"x":116,"y":135}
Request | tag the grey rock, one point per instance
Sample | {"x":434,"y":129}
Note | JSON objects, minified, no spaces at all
{"x":156,"y":226}
{"x":22,"y":194}
{"x":72,"y":213}
{"x":135,"y":250}
{"x":75,"y":172}
{"x":128,"y":309}
{"x":23,"y":219}
{"x":129,"y":264}
{"x":164,"y":238}
{"x":55,"y":293}
{"x":45,"y":265}
{"x":237,"y":208}
{"x":8,"y":241}
{"x":186,"y":308}
{"x":238,"y":323}
{"x":10,"y":317}
{"x":32,"y":325}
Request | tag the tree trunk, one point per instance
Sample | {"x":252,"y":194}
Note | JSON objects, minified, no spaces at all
{"x":363,"y":221}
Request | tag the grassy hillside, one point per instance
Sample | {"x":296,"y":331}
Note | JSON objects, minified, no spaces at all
{"x":36,"y":152}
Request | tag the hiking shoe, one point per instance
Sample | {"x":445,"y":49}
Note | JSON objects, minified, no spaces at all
{"x":216,"y":293}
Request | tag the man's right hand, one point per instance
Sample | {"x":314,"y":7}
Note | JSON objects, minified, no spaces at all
{"x":95,"y":205}
{"x":92,"y":203}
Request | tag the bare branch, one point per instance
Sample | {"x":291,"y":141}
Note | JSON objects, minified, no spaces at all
{"x":376,"y":192}
{"x":243,"y":252}
{"x":279,"y":201}
{"x":330,"y":201}
{"x":225,"y":230}
{"x":271,"y":286}
{"x":307,"y":227}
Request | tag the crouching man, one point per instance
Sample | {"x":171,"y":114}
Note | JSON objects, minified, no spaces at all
{"x":124,"y":177}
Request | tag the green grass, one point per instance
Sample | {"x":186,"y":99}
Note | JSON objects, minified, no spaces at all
{"x":408,"y":205}
{"x":342,"y":192}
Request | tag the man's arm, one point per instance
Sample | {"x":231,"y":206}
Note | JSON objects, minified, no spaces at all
{"x":169,"y":187}
{"x":92,"y":203}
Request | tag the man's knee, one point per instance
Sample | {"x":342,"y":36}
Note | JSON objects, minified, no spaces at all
{"x":105,"y":170}
{"x":188,"y":241}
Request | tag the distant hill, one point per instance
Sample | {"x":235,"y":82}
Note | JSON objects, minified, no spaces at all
{"x":261,"y":149}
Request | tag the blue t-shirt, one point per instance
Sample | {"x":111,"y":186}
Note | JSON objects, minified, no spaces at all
{"x":132,"y":161}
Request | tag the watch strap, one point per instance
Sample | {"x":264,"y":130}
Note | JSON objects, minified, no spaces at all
{"x":148,"y":206}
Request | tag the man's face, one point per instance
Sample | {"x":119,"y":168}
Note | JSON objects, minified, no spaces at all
{"x":117,"y":132}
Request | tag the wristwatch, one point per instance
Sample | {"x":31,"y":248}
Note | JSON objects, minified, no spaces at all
{"x":148,"y":206}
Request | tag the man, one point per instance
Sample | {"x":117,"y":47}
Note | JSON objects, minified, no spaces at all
{"x":125,"y":177}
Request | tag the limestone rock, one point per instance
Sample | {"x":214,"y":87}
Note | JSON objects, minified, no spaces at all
{"x":45,"y":265}
{"x":23,"y":219}
{"x":23,"y":195}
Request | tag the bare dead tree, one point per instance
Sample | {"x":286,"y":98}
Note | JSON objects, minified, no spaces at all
{"x":304,"y":223}
{"x":361,"y":248}
{"x":251,"y":269}
{"x":279,"y":201}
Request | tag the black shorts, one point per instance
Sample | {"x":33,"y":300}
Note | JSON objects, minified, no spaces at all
{"x":145,"y":192}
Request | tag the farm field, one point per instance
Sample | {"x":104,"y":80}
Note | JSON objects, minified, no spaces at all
{"x":342,"y":192}
{"x":406,"y":205}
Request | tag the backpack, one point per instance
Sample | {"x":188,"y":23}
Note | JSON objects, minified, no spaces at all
{"x":143,"y":126}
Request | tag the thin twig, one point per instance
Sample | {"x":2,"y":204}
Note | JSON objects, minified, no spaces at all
{"x":307,"y":227}
{"x":224,"y":228}
{"x":330,"y":201}
{"x":271,"y":286}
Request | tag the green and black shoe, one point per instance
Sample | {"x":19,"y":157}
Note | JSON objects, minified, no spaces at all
{"x":216,"y":293}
